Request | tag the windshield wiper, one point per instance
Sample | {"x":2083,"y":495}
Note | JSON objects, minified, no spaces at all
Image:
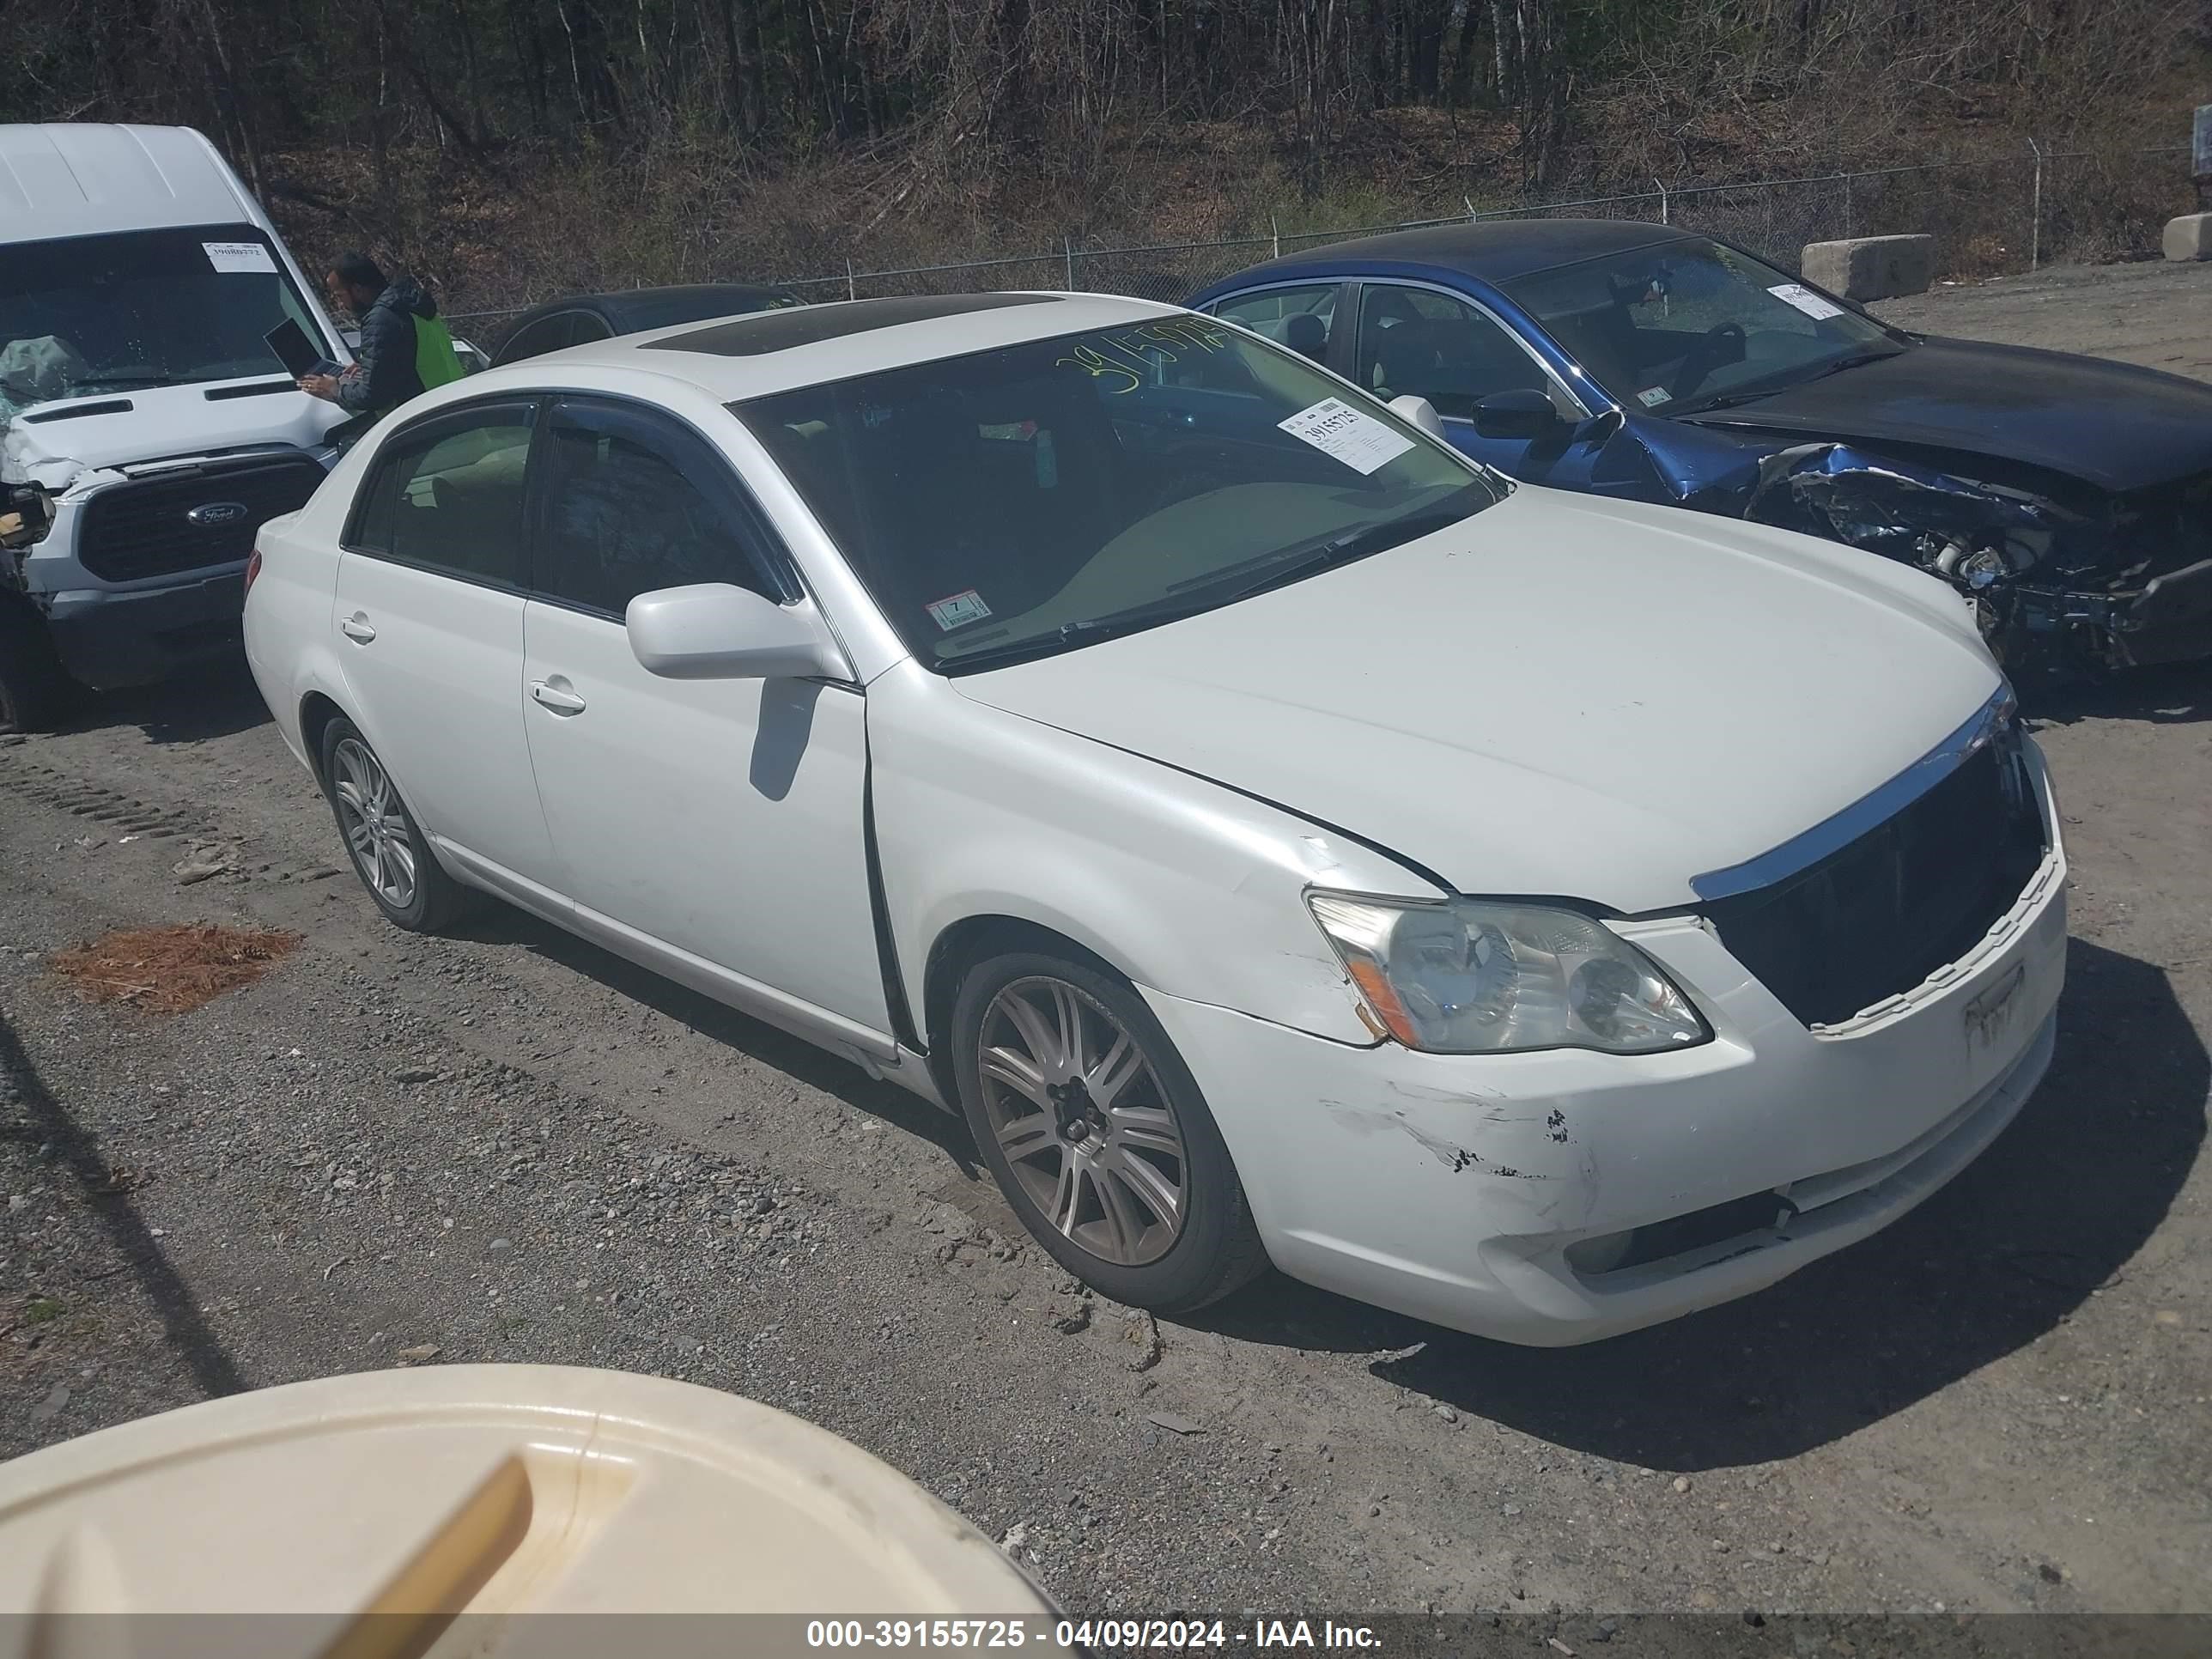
{"x":1854,"y":360}
{"x":1074,"y":633}
{"x":1753,"y":394}
{"x":1287,"y":568}
{"x":1341,"y":549}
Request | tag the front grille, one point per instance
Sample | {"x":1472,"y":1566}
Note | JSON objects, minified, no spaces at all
{"x":144,"y":528}
{"x":1878,"y":915}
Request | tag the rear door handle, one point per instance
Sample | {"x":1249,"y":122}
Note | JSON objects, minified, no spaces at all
{"x":558,"y":698}
{"x":356,"y":628}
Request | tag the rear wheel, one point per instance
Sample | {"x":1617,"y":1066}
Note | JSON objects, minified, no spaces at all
{"x":390,"y":852}
{"x":1098,"y":1135}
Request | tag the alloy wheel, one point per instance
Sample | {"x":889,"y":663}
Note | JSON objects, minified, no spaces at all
{"x":1083,"y":1121}
{"x":376,"y":829}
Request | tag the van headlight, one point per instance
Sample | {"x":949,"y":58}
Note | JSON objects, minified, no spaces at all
{"x":1476,"y":977}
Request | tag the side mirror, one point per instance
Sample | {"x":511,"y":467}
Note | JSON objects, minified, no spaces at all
{"x":1420,"y":412}
{"x":1520,"y":413}
{"x":716,"y":631}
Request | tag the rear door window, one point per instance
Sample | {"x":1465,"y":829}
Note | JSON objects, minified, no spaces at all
{"x":1299,"y":318}
{"x":1414,"y":342}
{"x":448,"y":496}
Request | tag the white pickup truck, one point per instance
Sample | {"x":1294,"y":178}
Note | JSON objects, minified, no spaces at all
{"x":147,"y":430}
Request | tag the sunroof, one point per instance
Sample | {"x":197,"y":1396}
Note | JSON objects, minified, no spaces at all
{"x":780,"y":331}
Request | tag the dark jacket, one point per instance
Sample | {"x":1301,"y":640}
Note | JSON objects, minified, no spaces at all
{"x":386,"y":371}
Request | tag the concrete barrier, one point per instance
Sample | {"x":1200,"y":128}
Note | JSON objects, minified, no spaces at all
{"x":2189,"y":237}
{"x":1872,"y":267}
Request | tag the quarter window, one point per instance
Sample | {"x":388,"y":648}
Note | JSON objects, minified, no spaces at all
{"x":449,"y":498}
{"x":634,"y":504}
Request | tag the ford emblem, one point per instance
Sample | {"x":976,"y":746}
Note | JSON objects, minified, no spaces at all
{"x":208,"y":515}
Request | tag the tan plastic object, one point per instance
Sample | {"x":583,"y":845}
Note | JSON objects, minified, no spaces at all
{"x":485,"y":1490}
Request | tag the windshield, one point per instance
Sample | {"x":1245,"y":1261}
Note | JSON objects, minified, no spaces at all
{"x":84,"y":316}
{"x":1034,"y":498}
{"x":1689,"y":324}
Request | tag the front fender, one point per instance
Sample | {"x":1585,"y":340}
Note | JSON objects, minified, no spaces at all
{"x":1179,"y":884}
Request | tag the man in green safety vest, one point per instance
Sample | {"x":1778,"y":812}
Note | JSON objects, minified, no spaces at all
{"x":405,"y":348}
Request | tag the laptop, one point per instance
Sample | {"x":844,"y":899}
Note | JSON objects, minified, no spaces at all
{"x":296,"y":351}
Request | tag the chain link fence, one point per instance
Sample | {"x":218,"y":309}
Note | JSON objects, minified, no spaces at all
{"x":1988,"y":217}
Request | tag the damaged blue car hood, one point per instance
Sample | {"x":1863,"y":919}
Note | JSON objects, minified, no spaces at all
{"x":2111,"y":425}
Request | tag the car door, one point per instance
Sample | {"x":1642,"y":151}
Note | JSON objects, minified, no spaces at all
{"x":1417,"y":340}
{"x":719,"y":822}
{"x":429,"y":619}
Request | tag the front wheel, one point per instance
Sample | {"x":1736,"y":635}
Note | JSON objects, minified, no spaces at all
{"x":1097,"y":1134}
{"x":34,"y":688}
{"x":390,"y":852}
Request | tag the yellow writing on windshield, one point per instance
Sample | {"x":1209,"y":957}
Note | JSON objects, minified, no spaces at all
{"x":1133,"y":356}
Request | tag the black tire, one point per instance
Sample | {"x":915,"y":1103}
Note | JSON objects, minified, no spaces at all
{"x":1215,"y":1249}
{"x":33,"y":689}
{"x":436,"y":900}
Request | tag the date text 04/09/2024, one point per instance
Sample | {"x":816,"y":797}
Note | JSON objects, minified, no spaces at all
{"x":1123,"y":1635}
{"x":1101,"y":1635}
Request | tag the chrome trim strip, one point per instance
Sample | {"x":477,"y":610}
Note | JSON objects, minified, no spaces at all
{"x":1988,"y":723}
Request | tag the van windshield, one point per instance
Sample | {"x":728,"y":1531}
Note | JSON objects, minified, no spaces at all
{"x":89,"y":316}
{"x":1026,"y":501}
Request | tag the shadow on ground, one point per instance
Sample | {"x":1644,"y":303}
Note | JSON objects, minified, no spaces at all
{"x":46,"y":1123}
{"x":794,"y":1058}
{"x":2171,"y":693}
{"x":2052,"y":1211}
{"x":213,"y":703}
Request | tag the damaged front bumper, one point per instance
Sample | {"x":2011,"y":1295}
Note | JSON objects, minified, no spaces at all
{"x":1560,"y":1197}
{"x":2124,"y":581}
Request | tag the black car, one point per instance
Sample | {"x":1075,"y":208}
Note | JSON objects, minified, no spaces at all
{"x":2068,"y":497}
{"x":583,"y":318}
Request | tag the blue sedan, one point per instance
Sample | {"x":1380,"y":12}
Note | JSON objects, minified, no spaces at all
{"x":2070,"y":498}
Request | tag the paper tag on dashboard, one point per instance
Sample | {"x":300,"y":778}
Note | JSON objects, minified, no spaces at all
{"x":1652,"y":396}
{"x":1797,"y":294}
{"x":1335,"y":428}
{"x":239,"y":256}
{"x":958,"y":610}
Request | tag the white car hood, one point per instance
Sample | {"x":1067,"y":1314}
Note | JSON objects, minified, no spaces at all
{"x":162,"y":422}
{"x":1562,"y":695}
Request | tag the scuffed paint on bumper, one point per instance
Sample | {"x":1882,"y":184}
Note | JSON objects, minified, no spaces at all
{"x":1452,"y":1188}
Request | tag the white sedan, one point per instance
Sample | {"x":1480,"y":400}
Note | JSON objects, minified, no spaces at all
{"x":1282,"y":838}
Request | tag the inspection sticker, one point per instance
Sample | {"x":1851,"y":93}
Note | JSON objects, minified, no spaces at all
{"x":1652,"y":396}
{"x":1797,"y":294}
{"x":239,"y":256}
{"x":958,"y":610}
{"x":1335,"y":428}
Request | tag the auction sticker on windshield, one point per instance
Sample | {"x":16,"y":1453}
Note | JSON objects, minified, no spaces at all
{"x":1359,"y":440}
{"x":1797,"y":294}
{"x":958,"y":610}
{"x":240,"y":257}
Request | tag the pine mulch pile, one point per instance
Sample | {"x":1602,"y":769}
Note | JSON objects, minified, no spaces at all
{"x":170,"y":970}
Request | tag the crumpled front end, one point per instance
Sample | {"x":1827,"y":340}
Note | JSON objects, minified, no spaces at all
{"x":2087,"y":584}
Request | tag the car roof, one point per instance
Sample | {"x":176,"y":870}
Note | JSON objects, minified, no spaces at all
{"x":766,"y":351}
{"x":72,"y":179}
{"x":1493,"y":250}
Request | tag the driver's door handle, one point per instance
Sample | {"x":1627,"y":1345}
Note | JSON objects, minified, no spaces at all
{"x":356,"y":628}
{"x":557,"y":698}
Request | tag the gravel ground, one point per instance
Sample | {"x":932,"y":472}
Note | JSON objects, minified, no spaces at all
{"x":508,"y":1146}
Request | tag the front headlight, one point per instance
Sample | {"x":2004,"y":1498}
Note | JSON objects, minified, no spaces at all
{"x":1473,"y":977}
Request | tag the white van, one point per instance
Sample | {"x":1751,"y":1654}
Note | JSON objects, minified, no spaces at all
{"x":146,"y":428}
